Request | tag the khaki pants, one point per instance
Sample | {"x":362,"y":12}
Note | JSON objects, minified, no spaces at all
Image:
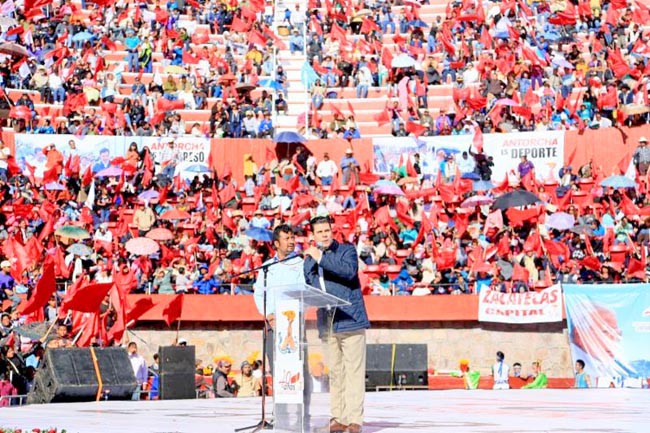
{"x":347,"y":359}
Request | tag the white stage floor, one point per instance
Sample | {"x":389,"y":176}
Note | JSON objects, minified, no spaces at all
{"x":454,"y":411}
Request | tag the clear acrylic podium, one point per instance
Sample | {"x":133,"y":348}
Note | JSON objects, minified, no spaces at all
{"x":300,"y":380}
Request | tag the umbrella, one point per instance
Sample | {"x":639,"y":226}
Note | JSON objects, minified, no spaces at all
{"x":477,"y":200}
{"x":618,"y":181}
{"x":470,"y":175}
{"x":269,"y":83}
{"x":389,"y":190}
{"x":197,"y":168}
{"x":448,"y":150}
{"x":333,"y":207}
{"x":581,"y":229}
{"x":160,"y":234}
{"x":149,"y":194}
{"x":506,"y":102}
{"x":259,"y":234}
{"x":72,"y":232}
{"x":79,"y":249}
{"x":175,"y":214}
{"x":33,"y":330}
{"x":384,"y":182}
{"x":13,"y":49}
{"x":482,"y":185}
{"x":54,"y":186}
{"x":289,"y":137}
{"x":7,"y":22}
{"x":506,"y":268}
{"x":362,"y":13}
{"x":516,"y":198}
{"x":418,"y":23}
{"x":109,"y":172}
{"x":561,"y":62}
{"x":560,"y":221}
{"x":226,"y":78}
{"x":142,"y":246}
{"x":82,"y":36}
{"x":244,"y":87}
{"x":403,"y":61}
{"x":174,"y":69}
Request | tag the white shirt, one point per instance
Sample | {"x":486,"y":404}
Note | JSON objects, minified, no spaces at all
{"x":139,"y":366}
{"x":326,"y":168}
{"x":500,"y":372}
{"x":282,"y":274}
{"x":104,"y":237}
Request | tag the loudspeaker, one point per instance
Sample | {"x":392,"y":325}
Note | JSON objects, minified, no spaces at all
{"x":408,"y":368}
{"x":177,"y":366}
{"x":68,"y":375}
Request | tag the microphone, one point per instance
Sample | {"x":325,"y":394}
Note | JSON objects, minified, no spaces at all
{"x":320,"y":246}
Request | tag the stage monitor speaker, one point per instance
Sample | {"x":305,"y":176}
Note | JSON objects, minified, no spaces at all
{"x":408,"y":368}
{"x":177,"y":366}
{"x":68,"y":375}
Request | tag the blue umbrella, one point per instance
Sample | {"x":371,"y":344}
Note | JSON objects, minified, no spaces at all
{"x":289,"y":137}
{"x":259,"y":234}
{"x":82,"y":36}
{"x":482,"y":185}
{"x":269,"y":83}
{"x":54,"y":186}
{"x":471,"y":175}
{"x":79,"y":249}
{"x":448,"y":150}
{"x":418,"y":23}
{"x":618,"y":182}
{"x":149,"y":194}
{"x":197,"y":168}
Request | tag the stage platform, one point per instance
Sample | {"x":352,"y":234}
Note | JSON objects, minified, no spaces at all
{"x":454,"y":411}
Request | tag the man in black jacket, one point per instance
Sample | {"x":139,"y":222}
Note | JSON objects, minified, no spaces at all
{"x":333,"y":267}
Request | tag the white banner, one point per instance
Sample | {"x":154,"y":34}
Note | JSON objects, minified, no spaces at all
{"x":530,"y":307}
{"x":544,"y":149}
{"x":288,"y":380}
{"x":94,"y":149}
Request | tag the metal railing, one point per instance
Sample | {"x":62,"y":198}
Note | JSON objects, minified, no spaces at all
{"x":14,"y":400}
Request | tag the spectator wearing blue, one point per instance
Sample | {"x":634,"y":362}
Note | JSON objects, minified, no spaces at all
{"x":205,"y":284}
{"x":351,"y":133}
{"x":266,"y":126}
{"x":296,"y":42}
{"x":403,"y":282}
{"x":259,"y":221}
{"x":132,"y":43}
{"x":349,"y":166}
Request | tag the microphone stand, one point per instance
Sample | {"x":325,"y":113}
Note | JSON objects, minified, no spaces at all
{"x":264,"y":424}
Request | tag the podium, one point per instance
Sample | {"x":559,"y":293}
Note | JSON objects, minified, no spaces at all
{"x":300,"y":387}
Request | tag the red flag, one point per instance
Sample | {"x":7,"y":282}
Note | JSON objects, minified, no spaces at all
{"x":415,"y":128}
{"x":351,"y":109}
{"x":45,"y":287}
{"x":382,"y":118}
{"x":519,"y":273}
{"x":477,"y":141}
{"x":86,"y":298}
{"x":173,"y":309}
{"x":239,"y":25}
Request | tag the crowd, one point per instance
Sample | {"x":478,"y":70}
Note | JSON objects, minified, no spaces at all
{"x":415,"y":235}
{"x":513,"y":66}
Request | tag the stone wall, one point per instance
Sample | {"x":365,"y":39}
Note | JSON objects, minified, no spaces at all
{"x":448,"y":342}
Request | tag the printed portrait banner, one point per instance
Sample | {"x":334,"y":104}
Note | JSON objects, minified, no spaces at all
{"x":530,"y":307}
{"x":288,"y":380}
{"x":544,"y":149}
{"x":99,"y":150}
{"x":609,"y":329}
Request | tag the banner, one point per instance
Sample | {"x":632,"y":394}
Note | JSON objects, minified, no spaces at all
{"x":529,"y":307}
{"x":99,"y":150}
{"x":544,"y":149}
{"x":609,"y":329}
{"x":288,"y":380}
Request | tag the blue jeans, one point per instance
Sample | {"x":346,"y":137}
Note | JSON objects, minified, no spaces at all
{"x":295,"y":47}
{"x":431,"y":44}
{"x":386,"y":24}
{"x":132,"y":61}
{"x":58,"y":95}
{"x":362,"y":91}
{"x":317,"y":100}
{"x":326,"y":180}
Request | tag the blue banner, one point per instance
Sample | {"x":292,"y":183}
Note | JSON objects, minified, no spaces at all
{"x":609,"y":329}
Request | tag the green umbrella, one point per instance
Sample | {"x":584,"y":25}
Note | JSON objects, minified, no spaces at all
{"x":72,"y":232}
{"x":33,"y":331}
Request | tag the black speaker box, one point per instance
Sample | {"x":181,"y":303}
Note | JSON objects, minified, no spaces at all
{"x":68,"y":375}
{"x":177,"y":366}
{"x":408,"y":368}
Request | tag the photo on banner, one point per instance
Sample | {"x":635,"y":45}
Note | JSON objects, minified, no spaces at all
{"x":190,"y":154}
{"x":544,"y":149}
{"x":94,"y":150}
{"x":609,"y":329}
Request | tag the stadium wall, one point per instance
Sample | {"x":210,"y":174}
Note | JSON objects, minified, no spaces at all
{"x":223,"y":325}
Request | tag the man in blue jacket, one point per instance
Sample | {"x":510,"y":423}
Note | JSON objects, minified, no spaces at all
{"x":333,"y":267}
